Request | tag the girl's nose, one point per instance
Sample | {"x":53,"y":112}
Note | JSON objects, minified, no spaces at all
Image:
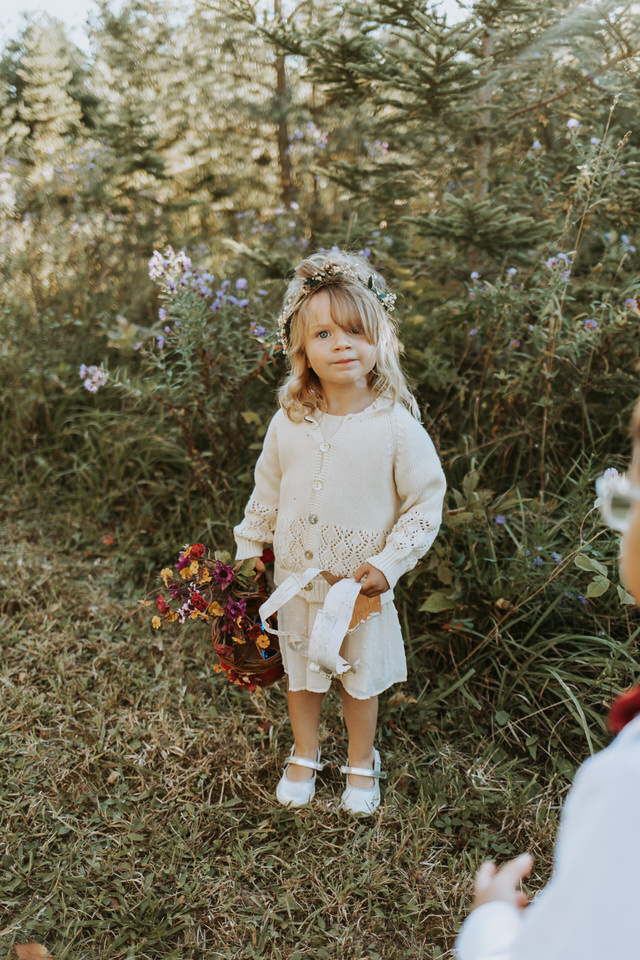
{"x":341,"y":339}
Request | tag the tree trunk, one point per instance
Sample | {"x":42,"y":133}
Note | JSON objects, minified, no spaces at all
{"x":281,"y":119}
{"x":482,"y":151}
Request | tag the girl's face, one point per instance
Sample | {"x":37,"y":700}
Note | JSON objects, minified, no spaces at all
{"x":339,"y":357}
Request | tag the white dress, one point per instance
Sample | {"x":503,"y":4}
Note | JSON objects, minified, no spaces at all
{"x":332,"y":493}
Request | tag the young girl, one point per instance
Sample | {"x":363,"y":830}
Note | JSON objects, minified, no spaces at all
{"x":349,"y":482}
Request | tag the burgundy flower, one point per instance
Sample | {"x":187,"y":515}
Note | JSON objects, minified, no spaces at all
{"x":624,"y":709}
{"x":195,"y":551}
{"x":236,"y":608}
{"x":162,"y":604}
{"x":223,"y":574}
{"x":267,"y":555}
{"x":198,"y":601}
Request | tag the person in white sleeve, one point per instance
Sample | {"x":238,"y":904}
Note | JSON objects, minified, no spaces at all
{"x":348,"y":482}
{"x":589,"y":908}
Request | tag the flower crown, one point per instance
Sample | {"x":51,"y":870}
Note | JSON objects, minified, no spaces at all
{"x":331,"y":271}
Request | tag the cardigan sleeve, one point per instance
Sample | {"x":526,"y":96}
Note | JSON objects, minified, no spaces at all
{"x":421,"y":485}
{"x":490,"y":932}
{"x":260,"y":514}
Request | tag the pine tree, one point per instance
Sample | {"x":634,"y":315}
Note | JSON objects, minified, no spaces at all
{"x":47,"y":115}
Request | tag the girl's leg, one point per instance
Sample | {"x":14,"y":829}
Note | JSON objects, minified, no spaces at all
{"x":304,"y":713}
{"x":361,"y":717}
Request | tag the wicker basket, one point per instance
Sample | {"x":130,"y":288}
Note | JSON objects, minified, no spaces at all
{"x":245,"y":663}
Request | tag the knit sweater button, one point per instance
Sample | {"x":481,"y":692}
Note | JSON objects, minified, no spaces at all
{"x":308,"y":554}
{"x":324,"y":446}
{"x":317,"y":485}
{"x":313,"y":518}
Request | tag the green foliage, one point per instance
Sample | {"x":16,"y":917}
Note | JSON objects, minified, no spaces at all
{"x":209,"y":366}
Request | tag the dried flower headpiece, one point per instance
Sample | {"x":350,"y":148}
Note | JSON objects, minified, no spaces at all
{"x":331,"y":271}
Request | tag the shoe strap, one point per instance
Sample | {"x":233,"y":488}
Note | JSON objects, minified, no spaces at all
{"x":364,"y":772}
{"x":304,"y":762}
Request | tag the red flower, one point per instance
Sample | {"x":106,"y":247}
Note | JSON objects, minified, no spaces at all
{"x":195,"y":551}
{"x":199,"y":601}
{"x":162,"y":605}
{"x":623,"y":709}
{"x":254,"y":631}
{"x":267,"y":555}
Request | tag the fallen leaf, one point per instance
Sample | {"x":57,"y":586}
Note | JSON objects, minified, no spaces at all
{"x":113,"y":776}
{"x":31,"y":951}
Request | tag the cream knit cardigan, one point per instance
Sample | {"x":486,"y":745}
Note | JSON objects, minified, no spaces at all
{"x":372,"y":492}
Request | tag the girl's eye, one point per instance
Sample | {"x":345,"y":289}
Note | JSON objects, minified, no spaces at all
{"x":356,"y":331}
{"x":323,"y":334}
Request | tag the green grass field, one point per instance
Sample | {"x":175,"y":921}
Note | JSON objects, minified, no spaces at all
{"x":138,"y":818}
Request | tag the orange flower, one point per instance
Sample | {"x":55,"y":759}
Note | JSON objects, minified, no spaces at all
{"x":263,"y":641}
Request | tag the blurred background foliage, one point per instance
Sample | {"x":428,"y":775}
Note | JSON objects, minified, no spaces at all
{"x":487,"y":167}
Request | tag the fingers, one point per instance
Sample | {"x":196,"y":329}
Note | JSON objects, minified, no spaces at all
{"x":517,"y":869}
{"x":485,"y":875}
{"x":373,"y":581}
{"x":361,"y":572}
{"x":503,"y":884}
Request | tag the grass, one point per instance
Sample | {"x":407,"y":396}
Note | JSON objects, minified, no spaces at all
{"x":136,"y":790}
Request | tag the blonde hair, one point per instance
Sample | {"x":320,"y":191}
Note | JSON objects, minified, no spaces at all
{"x":355,"y":297}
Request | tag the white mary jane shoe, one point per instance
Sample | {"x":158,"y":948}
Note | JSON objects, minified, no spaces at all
{"x":298,"y":793}
{"x":363,"y":799}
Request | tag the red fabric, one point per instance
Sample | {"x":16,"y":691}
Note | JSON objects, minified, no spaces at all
{"x":623,"y":709}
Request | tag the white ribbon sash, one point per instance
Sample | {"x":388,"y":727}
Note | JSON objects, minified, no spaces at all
{"x":329,"y":628}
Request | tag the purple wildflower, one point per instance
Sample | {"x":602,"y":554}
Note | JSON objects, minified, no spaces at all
{"x":223,"y":574}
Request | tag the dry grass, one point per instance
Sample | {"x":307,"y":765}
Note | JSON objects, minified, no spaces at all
{"x":136,"y":790}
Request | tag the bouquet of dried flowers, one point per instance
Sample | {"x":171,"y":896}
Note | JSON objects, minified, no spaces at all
{"x":210,"y":590}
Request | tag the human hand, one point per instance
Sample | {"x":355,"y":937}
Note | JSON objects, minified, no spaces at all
{"x":373,"y":580}
{"x":503,"y":884}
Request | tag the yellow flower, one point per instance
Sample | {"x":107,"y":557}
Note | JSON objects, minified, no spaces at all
{"x":205,"y":578}
{"x":156,"y":623}
{"x":238,"y":621}
{"x":194,"y":566}
{"x":144,"y":603}
{"x":263,"y":641}
{"x":215,"y":609}
{"x":185,"y":573}
{"x":166,"y":575}
{"x":238,"y":640}
{"x":171,"y":617}
{"x":217,"y":668}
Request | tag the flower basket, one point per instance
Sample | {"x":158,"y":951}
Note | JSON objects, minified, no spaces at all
{"x":210,"y":590}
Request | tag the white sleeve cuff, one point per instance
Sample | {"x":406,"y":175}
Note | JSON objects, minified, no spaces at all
{"x":489,"y":932}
